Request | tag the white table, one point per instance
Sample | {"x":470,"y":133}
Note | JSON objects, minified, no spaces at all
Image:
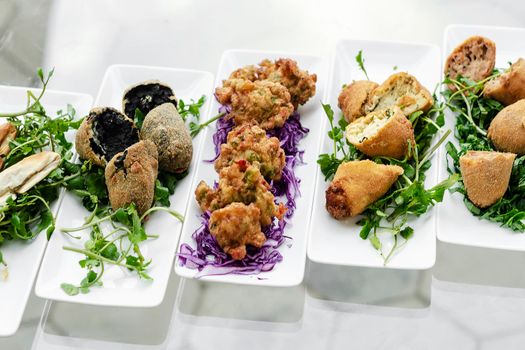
{"x":472,"y":298}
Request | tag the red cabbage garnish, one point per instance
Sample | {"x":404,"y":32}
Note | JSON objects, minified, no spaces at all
{"x":208,"y":257}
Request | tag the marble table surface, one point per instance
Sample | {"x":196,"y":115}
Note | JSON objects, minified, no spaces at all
{"x":471,"y":299}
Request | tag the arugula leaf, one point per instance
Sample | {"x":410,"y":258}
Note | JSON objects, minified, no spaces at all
{"x":361,"y":63}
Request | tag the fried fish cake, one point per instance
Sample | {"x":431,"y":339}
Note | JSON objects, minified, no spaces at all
{"x":243,"y":183}
{"x":357,"y":184}
{"x":250,"y":142}
{"x":508,"y":87}
{"x":265,"y":102}
{"x":486,"y":175}
{"x":507,"y":129}
{"x":353,"y":97}
{"x":235,"y":226}
{"x":386,"y":133}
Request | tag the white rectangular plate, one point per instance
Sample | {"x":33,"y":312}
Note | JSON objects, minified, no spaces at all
{"x":473,"y":231}
{"x":338,"y":242}
{"x":23,"y":258}
{"x":122,"y":288}
{"x":290,"y":271}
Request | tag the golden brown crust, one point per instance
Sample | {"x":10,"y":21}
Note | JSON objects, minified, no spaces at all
{"x":486,"y":175}
{"x":391,"y":140}
{"x":82,"y":142}
{"x":507,"y":130}
{"x":165,"y":128}
{"x":7,"y":134}
{"x":508,"y":87}
{"x":474,"y":59}
{"x":357,"y":184}
{"x":236,"y":226}
{"x":131,"y":175}
{"x":353,"y":97}
{"x":402,"y":90}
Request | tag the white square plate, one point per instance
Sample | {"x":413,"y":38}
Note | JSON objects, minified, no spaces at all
{"x":122,"y":288}
{"x":290,"y":271}
{"x":338,"y":242}
{"x":23,"y":258}
{"x":473,"y":231}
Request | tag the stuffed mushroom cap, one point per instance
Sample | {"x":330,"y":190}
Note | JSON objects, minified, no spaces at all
{"x":145,"y":96}
{"x":486,"y":175}
{"x":164,"y":127}
{"x":131,"y":175}
{"x":507,"y":129}
{"x":104,"y":133}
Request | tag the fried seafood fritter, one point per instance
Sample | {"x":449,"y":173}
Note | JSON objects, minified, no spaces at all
{"x":241,"y":183}
{"x":236,"y":226}
{"x":250,"y":142}
{"x":264,"y":102}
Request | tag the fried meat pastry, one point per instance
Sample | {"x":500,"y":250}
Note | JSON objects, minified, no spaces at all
{"x":353,"y":97}
{"x":357,"y":184}
{"x":262,"y":101}
{"x":385,"y":132}
{"x":131,"y":175}
{"x":507,"y":129}
{"x":508,"y":87}
{"x":402,"y":90}
{"x":474,"y":59}
{"x":104,"y":133}
{"x":241,"y":183}
{"x":235,"y":226}
{"x":250,"y":142}
{"x":486,"y":175}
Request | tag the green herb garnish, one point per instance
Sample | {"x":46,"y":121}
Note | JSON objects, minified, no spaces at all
{"x":361,"y":63}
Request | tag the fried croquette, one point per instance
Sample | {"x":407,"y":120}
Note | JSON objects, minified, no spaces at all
{"x":104,"y":133}
{"x":508,"y":87}
{"x":285,"y":71}
{"x":250,"y":142}
{"x":486,"y":175}
{"x":474,"y":59}
{"x":235,"y":226}
{"x":131,"y":175}
{"x":384,"y":133}
{"x":262,"y":101}
{"x":357,"y":184}
{"x":145,"y":96}
{"x":507,"y":130}
{"x":241,"y":183}
{"x":164,"y":126}
{"x":402,"y":90}
{"x":353,"y":97}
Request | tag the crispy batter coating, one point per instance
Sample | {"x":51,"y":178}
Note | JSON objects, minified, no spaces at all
{"x":384,"y":133}
{"x":264,"y":102}
{"x":508,"y":87}
{"x":247,"y":73}
{"x":474,"y":59}
{"x":7,"y":134}
{"x":486,"y":175}
{"x":507,"y":130}
{"x":357,"y":184}
{"x":299,"y":83}
{"x":242,"y":183}
{"x":353,"y":97}
{"x":402,"y":90}
{"x":236,"y":226}
{"x":131,"y":175}
{"x":250,"y":142}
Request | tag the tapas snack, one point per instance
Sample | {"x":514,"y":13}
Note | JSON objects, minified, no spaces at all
{"x":353,"y":97}
{"x":145,"y":96}
{"x":489,"y":117}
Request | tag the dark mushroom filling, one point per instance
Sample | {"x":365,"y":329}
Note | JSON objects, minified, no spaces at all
{"x":145,"y":97}
{"x":112,"y":133}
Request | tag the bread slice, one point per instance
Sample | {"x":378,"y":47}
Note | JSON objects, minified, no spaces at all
{"x":22,"y":176}
{"x":357,"y":184}
{"x":486,"y":175}
{"x":508,"y":87}
{"x":473,"y":59}
{"x":382,"y":133}
{"x":402,"y":90}
{"x":353,"y":97}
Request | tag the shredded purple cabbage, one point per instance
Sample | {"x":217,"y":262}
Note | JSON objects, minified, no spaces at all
{"x":208,"y":257}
